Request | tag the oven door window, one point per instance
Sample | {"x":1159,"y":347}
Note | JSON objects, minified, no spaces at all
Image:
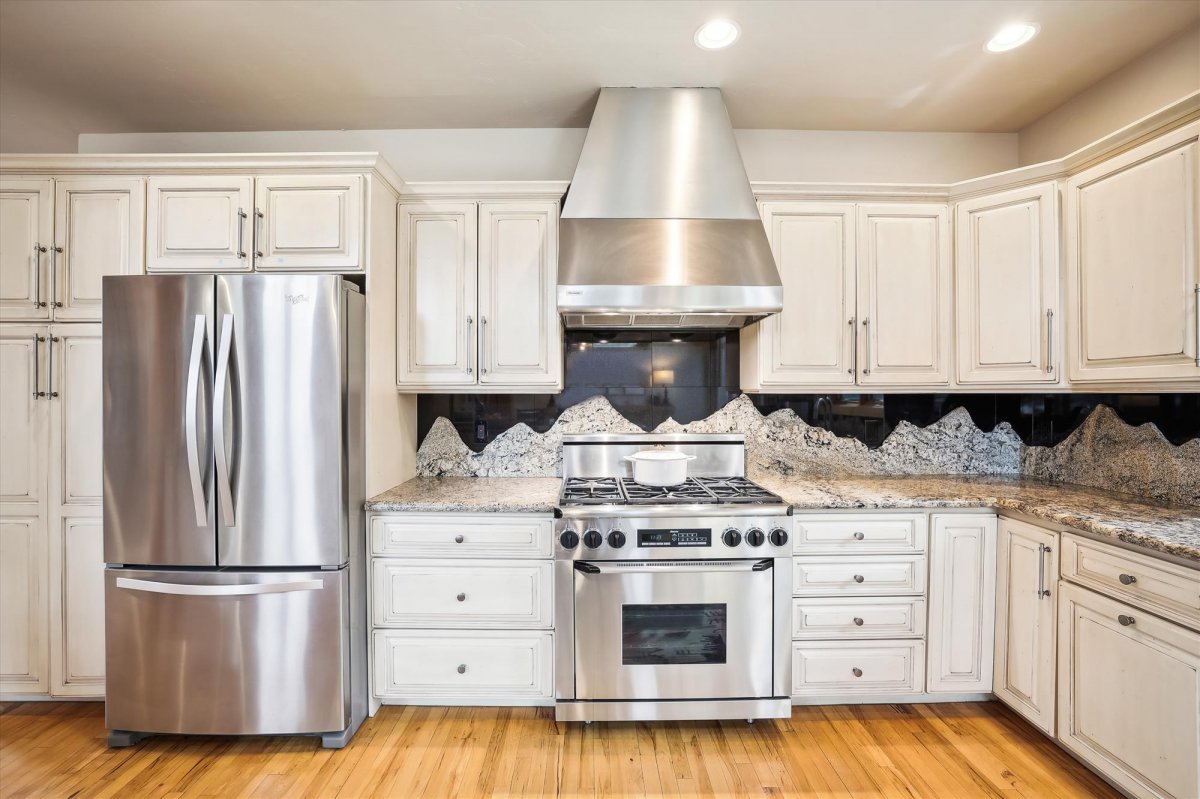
{"x":658,"y":635}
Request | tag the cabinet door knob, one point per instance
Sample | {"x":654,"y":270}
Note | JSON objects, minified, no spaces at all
{"x":458,"y":539}
{"x":462,"y":668}
{"x":856,"y":671}
{"x":858,"y":578}
{"x":859,"y":536}
{"x":462,"y":597}
{"x":1127,"y":579}
{"x":858,"y":622}
{"x":1126,"y":621}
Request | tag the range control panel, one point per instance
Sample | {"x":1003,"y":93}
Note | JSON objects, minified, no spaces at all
{"x":670,"y":537}
{"x":675,"y":537}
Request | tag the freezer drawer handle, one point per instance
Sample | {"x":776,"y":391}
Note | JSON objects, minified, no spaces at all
{"x":199,"y":498}
{"x":190,"y":589}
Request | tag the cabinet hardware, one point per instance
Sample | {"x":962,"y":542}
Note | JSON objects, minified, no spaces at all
{"x":259,"y":218}
{"x":461,"y":597}
{"x":470,"y":321}
{"x":859,"y":536}
{"x":1043,"y":550}
{"x":858,"y":578}
{"x":37,"y":342}
{"x":1127,"y":579}
{"x":858,"y":622}
{"x":54,"y":251}
{"x":241,"y":250}
{"x":462,"y":668}
{"x":51,"y":393}
{"x":1126,"y":621}
{"x":458,"y":539}
{"x":867,"y":335}
{"x":38,"y":249}
{"x":853,"y":347}
{"x":857,"y":672}
{"x":482,"y":344}
{"x":1049,"y":341}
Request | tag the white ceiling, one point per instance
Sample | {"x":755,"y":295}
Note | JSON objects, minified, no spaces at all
{"x":205,"y":65}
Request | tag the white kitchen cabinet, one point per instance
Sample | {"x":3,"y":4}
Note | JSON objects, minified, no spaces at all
{"x":962,"y":603}
{"x":77,"y":606}
{"x":1007,"y":276}
{"x":308,"y":222}
{"x":98,"y":230}
{"x":1133,"y":278}
{"x":1129,"y":694}
{"x":487,"y":594}
{"x":852,"y":668}
{"x":811,"y":342}
{"x":199,"y":223}
{"x":520,"y":341}
{"x":904,"y":294}
{"x":26,"y":236}
{"x":1027,"y":559}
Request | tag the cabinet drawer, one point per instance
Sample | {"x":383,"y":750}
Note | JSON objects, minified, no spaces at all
{"x":468,"y":536}
{"x":462,"y":593}
{"x":1168,"y":589}
{"x":477,"y":667}
{"x":872,"y":575}
{"x":857,"y":667}
{"x":818,"y":618}
{"x":862,"y":534}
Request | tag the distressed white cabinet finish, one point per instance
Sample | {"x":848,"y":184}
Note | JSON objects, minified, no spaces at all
{"x":24,"y":418}
{"x":98,"y":230}
{"x":77,"y":606}
{"x":1007,"y":276}
{"x":1129,"y":694}
{"x":962,"y":603}
{"x":26,"y":236}
{"x":812,"y":341}
{"x":23,"y":614}
{"x":1133,"y":278}
{"x":199,"y":223}
{"x":436,"y":314}
{"x":904,"y":294}
{"x":308,"y":222}
{"x":463,"y":593}
{"x":1026,"y":603}
{"x":519,"y":338}
{"x":855,"y":668}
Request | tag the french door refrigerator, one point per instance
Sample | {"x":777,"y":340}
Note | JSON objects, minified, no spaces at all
{"x":233,"y":506}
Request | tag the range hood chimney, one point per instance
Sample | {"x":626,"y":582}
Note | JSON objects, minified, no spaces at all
{"x":660,"y":228}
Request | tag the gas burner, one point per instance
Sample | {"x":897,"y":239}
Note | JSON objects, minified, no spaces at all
{"x":688,"y":492}
{"x":590,"y":491}
{"x":737,"y":489}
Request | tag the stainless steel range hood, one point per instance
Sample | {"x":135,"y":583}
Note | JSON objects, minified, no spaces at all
{"x":660,"y":228}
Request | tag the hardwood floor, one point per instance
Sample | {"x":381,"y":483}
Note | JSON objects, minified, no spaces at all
{"x":949,"y":751}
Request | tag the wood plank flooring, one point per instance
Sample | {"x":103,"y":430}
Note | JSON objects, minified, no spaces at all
{"x":948,"y":751}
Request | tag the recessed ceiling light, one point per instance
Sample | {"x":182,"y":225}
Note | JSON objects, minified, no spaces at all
{"x":1011,"y":37}
{"x":717,"y":33}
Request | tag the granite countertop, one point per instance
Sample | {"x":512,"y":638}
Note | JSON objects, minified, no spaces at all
{"x":1170,"y":529}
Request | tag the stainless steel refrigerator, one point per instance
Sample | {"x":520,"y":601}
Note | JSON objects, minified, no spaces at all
{"x":233,"y":506}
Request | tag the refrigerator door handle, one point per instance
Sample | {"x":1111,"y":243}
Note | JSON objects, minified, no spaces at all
{"x":191,"y":436}
{"x":224,"y":487}
{"x":191,"y":589}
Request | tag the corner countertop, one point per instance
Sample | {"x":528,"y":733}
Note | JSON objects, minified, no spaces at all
{"x":1170,"y":529}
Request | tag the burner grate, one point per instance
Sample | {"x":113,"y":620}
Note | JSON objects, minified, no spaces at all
{"x":695,"y":490}
{"x":688,"y":492}
{"x":590,"y":491}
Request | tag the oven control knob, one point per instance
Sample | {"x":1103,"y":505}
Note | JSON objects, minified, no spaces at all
{"x":755,"y":537}
{"x":592,"y":539}
{"x":779,"y":536}
{"x":616,"y":539}
{"x":569,"y":539}
{"x":731,"y":537}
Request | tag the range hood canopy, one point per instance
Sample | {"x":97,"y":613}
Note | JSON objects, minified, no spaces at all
{"x":660,"y":228}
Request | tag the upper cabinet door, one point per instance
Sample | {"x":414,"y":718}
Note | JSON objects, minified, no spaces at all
{"x":1132,"y":271}
{"x":520,"y":336}
{"x":24,"y":419}
{"x":1008,"y":287}
{"x":76,"y":399}
{"x":309,"y":222}
{"x":98,"y":231}
{"x":199,"y":223}
{"x":904,"y":297}
{"x":26,"y":236}
{"x":436,"y":323}
{"x":812,"y":341}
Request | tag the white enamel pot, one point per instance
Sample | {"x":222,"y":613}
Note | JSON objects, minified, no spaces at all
{"x":660,"y":467}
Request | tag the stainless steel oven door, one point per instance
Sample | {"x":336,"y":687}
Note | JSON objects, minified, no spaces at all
{"x":673,"y":629}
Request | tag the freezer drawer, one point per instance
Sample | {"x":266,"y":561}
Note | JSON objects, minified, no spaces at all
{"x":227,"y":653}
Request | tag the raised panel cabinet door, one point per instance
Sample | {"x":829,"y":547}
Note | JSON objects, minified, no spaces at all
{"x":962,"y":603}
{"x":1026,"y":601}
{"x":520,"y":335}
{"x":1129,"y":694}
{"x":77,"y":416}
{"x":23,"y":616}
{"x":1007,"y":278}
{"x":812,"y":340}
{"x":904,"y":294}
{"x":1132,"y":268}
{"x":26,"y":236}
{"x":77,"y":607}
{"x":98,"y":230}
{"x":436,"y":317}
{"x":199,"y":223}
{"x":24,"y":419}
{"x":308,"y":222}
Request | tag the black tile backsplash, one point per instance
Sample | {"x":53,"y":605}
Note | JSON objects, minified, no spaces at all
{"x":649,"y":377}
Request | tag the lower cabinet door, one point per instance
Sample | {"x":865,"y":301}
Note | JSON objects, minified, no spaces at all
{"x":464,"y":667}
{"x":1129,"y":694}
{"x":838,"y":668}
{"x":77,"y":607}
{"x":962,"y":603}
{"x":462,"y":593}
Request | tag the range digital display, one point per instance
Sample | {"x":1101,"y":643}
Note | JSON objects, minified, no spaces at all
{"x":675,"y":537}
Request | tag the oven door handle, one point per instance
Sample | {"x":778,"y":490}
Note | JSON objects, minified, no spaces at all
{"x":673,"y":567}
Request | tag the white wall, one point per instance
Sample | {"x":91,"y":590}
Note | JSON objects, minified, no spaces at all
{"x":36,"y":121}
{"x":1167,"y":73}
{"x":551,"y":153}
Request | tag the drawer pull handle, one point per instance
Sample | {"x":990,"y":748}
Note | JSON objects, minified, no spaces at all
{"x":462,"y":597}
{"x":1126,"y":621}
{"x":462,"y":668}
{"x":1127,"y":579}
{"x":858,"y":578}
{"x":859,"y":536}
{"x":857,"y":671}
{"x":458,"y":539}
{"x":858,"y":622}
